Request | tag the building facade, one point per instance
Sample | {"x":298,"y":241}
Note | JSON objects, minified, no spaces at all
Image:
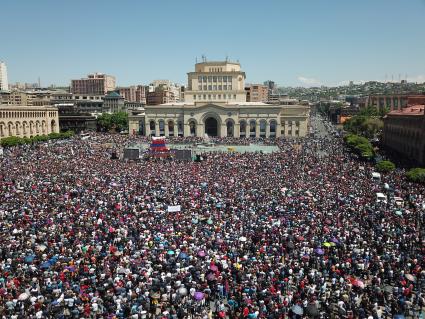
{"x":4,"y":84}
{"x":27,"y":121}
{"x":404,"y":132}
{"x":133,"y":93}
{"x":94,"y":84}
{"x":113,"y":102}
{"x":160,"y":96}
{"x":221,"y":81}
{"x":257,"y":93}
{"x":215,"y":105}
{"x":247,"y":119}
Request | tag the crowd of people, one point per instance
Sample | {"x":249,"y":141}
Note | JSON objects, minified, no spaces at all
{"x":293,"y":234}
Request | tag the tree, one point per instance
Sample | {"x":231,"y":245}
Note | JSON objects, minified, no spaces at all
{"x":385,"y":166}
{"x":364,"y":125}
{"x":118,"y":121}
{"x":360,"y":145}
{"x":416,"y":175}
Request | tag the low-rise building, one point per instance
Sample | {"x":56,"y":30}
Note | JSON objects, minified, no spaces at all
{"x":113,"y":102}
{"x":404,"y":132}
{"x":257,"y":93}
{"x":27,"y":121}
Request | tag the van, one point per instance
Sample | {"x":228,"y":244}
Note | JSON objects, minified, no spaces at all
{"x":399,"y":201}
{"x":381,"y":198}
{"x":376,"y":177}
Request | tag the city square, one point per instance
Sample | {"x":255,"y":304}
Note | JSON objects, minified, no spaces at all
{"x":212,"y":160}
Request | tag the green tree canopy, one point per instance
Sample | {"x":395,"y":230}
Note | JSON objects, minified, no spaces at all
{"x":416,"y":175}
{"x":385,"y":166}
{"x":118,"y":121}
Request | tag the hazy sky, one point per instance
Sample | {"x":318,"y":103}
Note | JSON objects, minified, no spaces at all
{"x":294,"y":43}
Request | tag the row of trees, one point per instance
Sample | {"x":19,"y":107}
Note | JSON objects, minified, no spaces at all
{"x":113,"y":122}
{"x":15,"y":140}
{"x":367,"y":123}
{"x":360,"y":145}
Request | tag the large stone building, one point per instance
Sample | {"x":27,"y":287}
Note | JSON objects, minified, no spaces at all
{"x":216,"y":82}
{"x":212,"y":107}
{"x":27,"y":121}
{"x":404,"y":132}
{"x":94,"y":84}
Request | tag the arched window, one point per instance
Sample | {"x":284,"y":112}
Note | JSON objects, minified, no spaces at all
{"x":273,"y":126}
{"x":53,"y":126}
{"x":252,"y":128}
{"x":263,"y":127}
{"x":242,"y":129}
{"x":170,"y":128}
{"x":230,"y":128}
{"x":152,"y":128}
{"x":192,"y":128}
{"x":161,"y":124}
{"x":17,"y":128}
{"x":180,"y":128}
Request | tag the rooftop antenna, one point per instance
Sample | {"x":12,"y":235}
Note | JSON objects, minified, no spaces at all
{"x":39,"y":82}
{"x":227,"y":58}
{"x":196,"y":59}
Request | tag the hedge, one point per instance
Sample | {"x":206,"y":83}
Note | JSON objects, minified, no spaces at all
{"x":15,"y":140}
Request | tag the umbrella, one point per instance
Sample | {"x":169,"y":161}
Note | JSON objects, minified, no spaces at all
{"x":213,"y":267}
{"x":201,"y":253}
{"x":183,"y":255}
{"x":23,"y":296}
{"x":311,"y":310}
{"x":194,"y":221}
{"x":410,"y":277}
{"x":45,"y":265}
{"x":209,"y":221}
{"x":70,"y":268}
{"x":358,"y":283}
{"x":198,"y":295}
{"x":29,"y":259}
{"x":388,"y":289}
{"x":42,"y":247}
{"x":211,"y":276}
{"x":398,"y":212}
{"x":300,"y":238}
{"x":242,"y":239}
{"x":170,"y":252}
{"x":399,"y":317}
{"x":297,"y":310}
{"x":182,"y":291}
{"x":319,"y":251}
{"x":356,"y":230}
{"x":327,"y":244}
{"x":334,"y":240}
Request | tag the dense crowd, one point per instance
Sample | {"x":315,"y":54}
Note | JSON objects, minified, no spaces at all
{"x":297,"y":233}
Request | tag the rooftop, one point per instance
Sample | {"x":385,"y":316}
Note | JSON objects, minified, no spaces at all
{"x":411,"y":110}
